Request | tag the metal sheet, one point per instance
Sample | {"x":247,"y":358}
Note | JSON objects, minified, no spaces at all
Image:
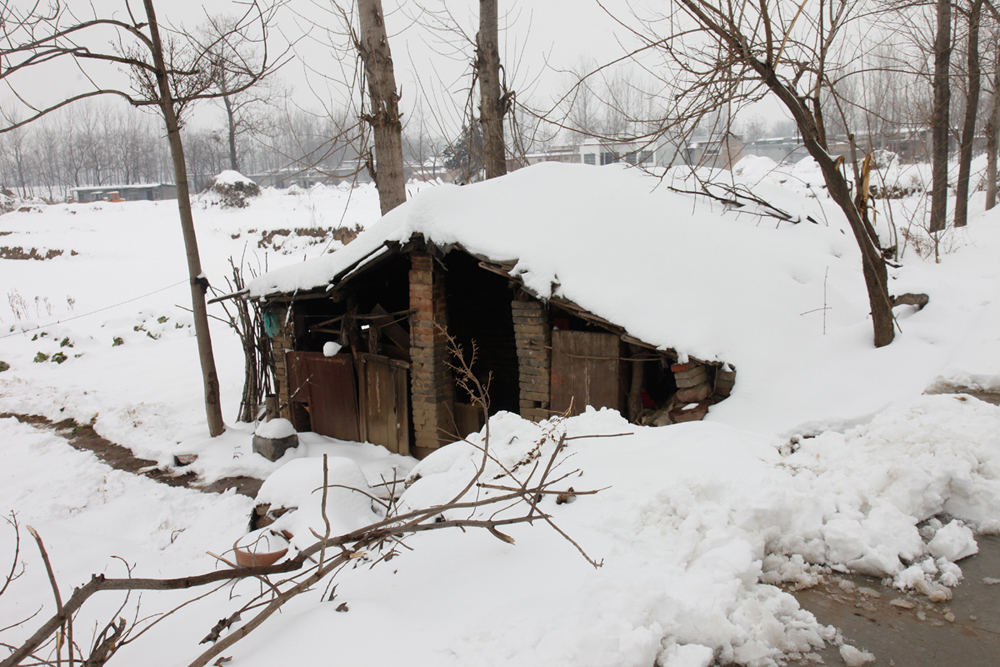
{"x":327,"y":386}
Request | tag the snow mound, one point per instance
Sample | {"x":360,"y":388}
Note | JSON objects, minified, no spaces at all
{"x":232,"y":190}
{"x":275,"y":429}
{"x":299,"y":484}
{"x":953,"y":542}
{"x":855,"y":658}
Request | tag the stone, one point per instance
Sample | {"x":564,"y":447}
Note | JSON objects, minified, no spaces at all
{"x":273,"y":449}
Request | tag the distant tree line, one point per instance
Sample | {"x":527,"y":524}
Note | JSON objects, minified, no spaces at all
{"x":100,"y":143}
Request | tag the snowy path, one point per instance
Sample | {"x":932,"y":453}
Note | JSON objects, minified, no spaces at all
{"x":84,"y":438}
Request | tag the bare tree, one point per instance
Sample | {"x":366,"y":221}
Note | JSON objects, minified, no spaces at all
{"x":231,"y":50}
{"x":754,"y":127}
{"x":721,"y":55}
{"x":973,"y":18}
{"x":166,"y":75}
{"x":386,"y":166}
{"x":992,"y":129}
{"x":939,"y":118}
{"x":494,"y":99}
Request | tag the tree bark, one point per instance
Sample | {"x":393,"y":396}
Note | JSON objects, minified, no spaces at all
{"x":939,"y":118}
{"x":971,"y":112}
{"x":373,"y":47}
{"x":199,"y":284}
{"x":993,"y":139}
{"x":231,"y":119}
{"x":492,"y":104}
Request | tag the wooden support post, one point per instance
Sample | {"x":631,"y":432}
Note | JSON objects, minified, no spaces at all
{"x":635,"y":390}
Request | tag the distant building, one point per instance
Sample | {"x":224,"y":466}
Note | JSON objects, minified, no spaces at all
{"x":146,"y":192}
{"x":779,"y":149}
{"x":432,"y":169}
{"x":348,"y":170}
{"x":910,"y":144}
{"x":591,"y":152}
{"x":717,"y":152}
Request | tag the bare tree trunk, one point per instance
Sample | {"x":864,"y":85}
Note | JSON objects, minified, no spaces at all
{"x":373,"y":46}
{"x":873,"y":264}
{"x":199,"y":284}
{"x":231,"y":119}
{"x":492,"y":103}
{"x":939,"y":118}
{"x":971,"y":112}
{"x":993,"y":139}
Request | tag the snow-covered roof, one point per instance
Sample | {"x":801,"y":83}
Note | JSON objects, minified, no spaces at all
{"x":676,"y":271}
{"x":131,"y":186}
{"x":231,"y":177}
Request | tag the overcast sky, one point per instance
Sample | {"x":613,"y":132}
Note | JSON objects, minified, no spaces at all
{"x":538,"y":38}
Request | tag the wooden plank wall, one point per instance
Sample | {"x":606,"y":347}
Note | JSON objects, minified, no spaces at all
{"x":585,"y":371}
{"x":385,"y":415}
{"x":328,"y":388}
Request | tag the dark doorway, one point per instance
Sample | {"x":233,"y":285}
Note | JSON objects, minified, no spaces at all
{"x":480,"y":319}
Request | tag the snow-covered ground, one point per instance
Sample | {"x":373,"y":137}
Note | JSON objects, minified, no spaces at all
{"x":694,"y":525}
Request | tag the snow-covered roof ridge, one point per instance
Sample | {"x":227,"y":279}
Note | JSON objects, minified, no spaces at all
{"x":230,"y":176}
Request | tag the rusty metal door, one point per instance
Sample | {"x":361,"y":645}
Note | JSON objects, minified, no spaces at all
{"x":326,"y":385}
{"x":585,"y":371}
{"x":385,"y":415}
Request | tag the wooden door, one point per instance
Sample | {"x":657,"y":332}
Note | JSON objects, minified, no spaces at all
{"x":326,"y":385}
{"x":585,"y":371}
{"x":384,"y":392}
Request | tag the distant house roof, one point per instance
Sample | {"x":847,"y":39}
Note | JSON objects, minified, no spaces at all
{"x":108,"y":188}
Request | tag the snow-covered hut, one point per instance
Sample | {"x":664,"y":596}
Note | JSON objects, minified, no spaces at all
{"x":564,"y":285}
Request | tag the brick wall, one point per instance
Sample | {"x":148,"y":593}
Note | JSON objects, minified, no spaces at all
{"x":433,"y":389}
{"x":533,"y":336}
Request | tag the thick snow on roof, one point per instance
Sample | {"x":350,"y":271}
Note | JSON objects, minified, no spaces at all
{"x":672,"y":269}
{"x":675,"y":270}
{"x":230,"y":177}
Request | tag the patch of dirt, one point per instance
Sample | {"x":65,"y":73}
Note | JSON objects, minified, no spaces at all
{"x":948,"y":388}
{"x":85,"y":438}
{"x":343,"y":234}
{"x":17,"y":252}
{"x":907,"y":629}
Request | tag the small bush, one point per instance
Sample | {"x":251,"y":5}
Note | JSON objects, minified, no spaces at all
{"x":8,"y":200}
{"x":234,"y":189}
{"x":4,"y":366}
{"x":66,"y":342}
{"x":116,"y":341}
{"x":41,"y":357}
{"x":58,"y":357}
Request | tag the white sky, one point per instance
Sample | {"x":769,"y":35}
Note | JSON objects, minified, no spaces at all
{"x":538,"y":38}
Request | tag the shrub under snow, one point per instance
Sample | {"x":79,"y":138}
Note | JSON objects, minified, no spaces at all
{"x":234,"y":189}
